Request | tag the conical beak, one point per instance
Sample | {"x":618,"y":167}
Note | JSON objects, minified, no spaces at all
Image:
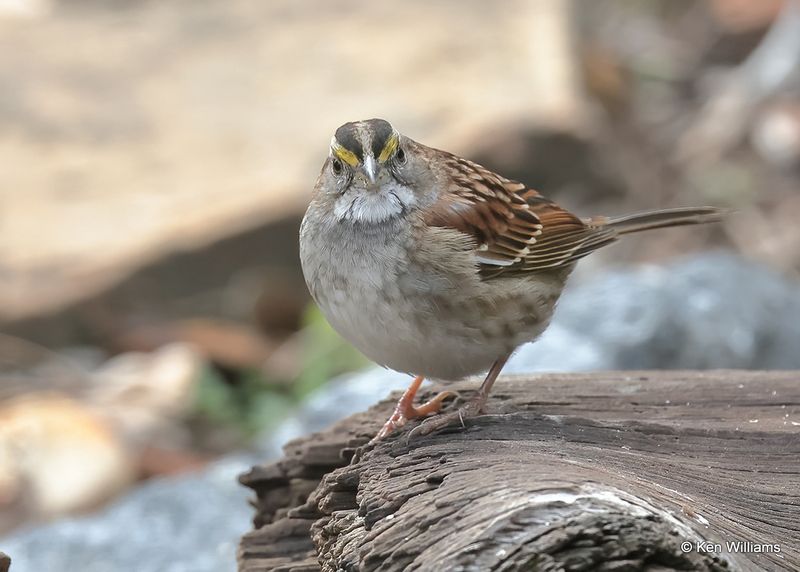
{"x":370,"y":168}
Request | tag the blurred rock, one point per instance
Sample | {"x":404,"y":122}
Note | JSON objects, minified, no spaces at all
{"x":26,"y":367}
{"x":67,"y":448}
{"x":146,"y":395}
{"x":229,"y":280}
{"x":772,"y":236}
{"x":741,"y":16}
{"x":776,"y":134}
{"x":56,"y":457}
{"x":157,"y":460}
{"x":201,"y":114}
{"x":606,"y":78}
{"x":280,"y":300}
{"x":727,"y":112}
{"x":24,"y":9}
{"x":226,"y":343}
{"x":186,"y":524}
{"x":707,"y":312}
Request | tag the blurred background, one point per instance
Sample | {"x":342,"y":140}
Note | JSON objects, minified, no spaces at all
{"x":156,"y":159}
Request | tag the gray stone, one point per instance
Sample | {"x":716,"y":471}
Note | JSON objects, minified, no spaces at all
{"x":710,"y":311}
{"x":181,"y":524}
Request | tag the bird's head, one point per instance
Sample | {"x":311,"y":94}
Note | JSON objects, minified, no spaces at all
{"x":371,"y":172}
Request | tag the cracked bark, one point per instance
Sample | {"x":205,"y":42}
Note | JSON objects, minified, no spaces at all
{"x":608,"y":472}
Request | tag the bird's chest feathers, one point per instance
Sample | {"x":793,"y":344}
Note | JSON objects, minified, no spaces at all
{"x":356,"y":257}
{"x":395,"y":264}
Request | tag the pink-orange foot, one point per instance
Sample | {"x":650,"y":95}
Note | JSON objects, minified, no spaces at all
{"x":405,"y":410}
{"x":472,"y":408}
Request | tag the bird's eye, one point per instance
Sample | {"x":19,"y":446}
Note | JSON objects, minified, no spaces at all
{"x":400,"y":156}
{"x":336,"y":166}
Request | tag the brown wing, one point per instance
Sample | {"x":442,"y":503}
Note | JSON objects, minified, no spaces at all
{"x":516,"y":229}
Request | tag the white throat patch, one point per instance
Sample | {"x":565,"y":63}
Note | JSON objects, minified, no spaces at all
{"x":374,"y":206}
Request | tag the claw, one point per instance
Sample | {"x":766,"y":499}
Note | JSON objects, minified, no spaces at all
{"x":405,"y":410}
{"x":472,"y":408}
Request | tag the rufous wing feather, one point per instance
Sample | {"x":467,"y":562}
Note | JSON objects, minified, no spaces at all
{"x":514,"y":227}
{"x":517,"y":230}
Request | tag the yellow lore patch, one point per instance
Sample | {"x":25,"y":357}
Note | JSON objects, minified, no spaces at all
{"x":389,"y":148}
{"x":347,"y":156}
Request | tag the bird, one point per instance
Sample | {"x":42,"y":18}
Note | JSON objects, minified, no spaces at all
{"x":435,"y":266}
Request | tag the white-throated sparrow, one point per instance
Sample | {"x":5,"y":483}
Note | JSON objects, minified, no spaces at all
{"x":433,"y":265}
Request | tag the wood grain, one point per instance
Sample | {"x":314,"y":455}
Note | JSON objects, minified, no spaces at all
{"x":606,"y":471}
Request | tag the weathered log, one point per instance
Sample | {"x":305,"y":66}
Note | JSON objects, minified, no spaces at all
{"x":608,"y":471}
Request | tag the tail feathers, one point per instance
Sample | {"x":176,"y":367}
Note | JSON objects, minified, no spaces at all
{"x":659,"y":219}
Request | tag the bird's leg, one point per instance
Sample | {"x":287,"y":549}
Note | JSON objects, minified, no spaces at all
{"x":405,"y":410}
{"x":479,"y":399}
{"x":474,"y":407}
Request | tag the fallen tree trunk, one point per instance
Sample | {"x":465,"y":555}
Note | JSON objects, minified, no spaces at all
{"x":610,"y":471}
